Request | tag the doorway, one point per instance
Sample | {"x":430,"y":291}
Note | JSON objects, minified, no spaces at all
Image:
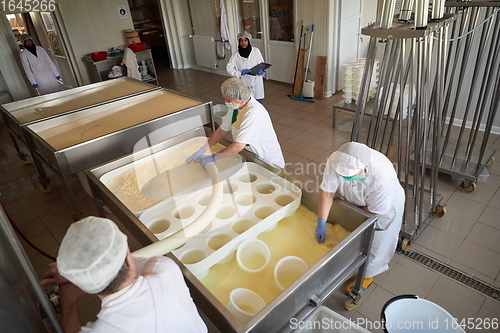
{"x":271,"y":24}
{"x":45,"y":32}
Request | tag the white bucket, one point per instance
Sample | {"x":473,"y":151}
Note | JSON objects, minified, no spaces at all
{"x":287,"y":270}
{"x":308,"y":90}
{"x":253,"y":255}
{"x":244,"y":304}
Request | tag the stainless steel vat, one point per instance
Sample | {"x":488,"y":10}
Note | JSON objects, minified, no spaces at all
{"x":17,"y":115}
{"x":300,"y":298}
{"x":77,"y":156}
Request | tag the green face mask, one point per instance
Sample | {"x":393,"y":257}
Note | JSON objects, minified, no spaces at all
{"x":358,"y":177}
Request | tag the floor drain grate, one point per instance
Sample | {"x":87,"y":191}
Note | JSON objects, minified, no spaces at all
{"x":454,"y":274}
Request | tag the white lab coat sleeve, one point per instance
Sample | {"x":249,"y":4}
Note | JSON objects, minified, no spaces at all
{"x":46,"y":59}
{"x":232,"y":66}
{"x":329,"y":182}
{"x":27,"y":67}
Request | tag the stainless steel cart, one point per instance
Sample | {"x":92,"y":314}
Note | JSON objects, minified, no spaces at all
{"x":17,"y":115}
{"x":300,"y":298}
{"x":66,"y":146}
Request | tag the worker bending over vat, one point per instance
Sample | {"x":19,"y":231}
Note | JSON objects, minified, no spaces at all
{"x":367,"y":179}
{"x":250,"y":125}
{"x":138,"y":295}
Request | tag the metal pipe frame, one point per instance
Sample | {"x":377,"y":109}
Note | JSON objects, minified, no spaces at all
{"x":465,"y":54}
{"x":481,"y":103}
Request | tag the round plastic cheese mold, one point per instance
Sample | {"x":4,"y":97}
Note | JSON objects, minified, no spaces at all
{"x":254,"y":200}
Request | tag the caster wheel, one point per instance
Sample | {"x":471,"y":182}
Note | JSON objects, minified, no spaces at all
{"x":44,"y":189}
{"x":467,"y":189}
{"x":490,"y":162}
{"x":26,"y":159}
{"x":405,"y":244}
{"x":350,"y":304}
{"x":440,"y":211}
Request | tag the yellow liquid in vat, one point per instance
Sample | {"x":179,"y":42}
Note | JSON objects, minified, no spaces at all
{"x":247,"y":309}
{"x":254,"y":262}
{"x":287,"y":280}
{"x":294,"y":236}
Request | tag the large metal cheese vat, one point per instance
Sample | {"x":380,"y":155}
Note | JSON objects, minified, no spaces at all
{"x":17,"y":115}
{"x":79,"y":140}
{"x":296,"y":301}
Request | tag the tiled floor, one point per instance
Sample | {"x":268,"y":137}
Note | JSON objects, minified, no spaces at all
{"x":467,"y":237}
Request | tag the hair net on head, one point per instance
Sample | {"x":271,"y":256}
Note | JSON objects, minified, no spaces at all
{"x":245,"y":34}
{"x":236,"y":90}
{"x":91,"y":253}
{"x":24,"y":37}
{"x":351,"y":158}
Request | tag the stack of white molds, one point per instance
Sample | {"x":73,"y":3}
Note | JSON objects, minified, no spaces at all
{"x":353,"y":75}
{"x":126,"y":181}
{"x":254,"y":200}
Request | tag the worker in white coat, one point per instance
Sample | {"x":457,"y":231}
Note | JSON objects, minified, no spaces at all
{"x":243,"y":60}
{"x":367,"y":179}
{"x":250,"y":125}
{"x":137,"y":294}
{"x":39,"y":68}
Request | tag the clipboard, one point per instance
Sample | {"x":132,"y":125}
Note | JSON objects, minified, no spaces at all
{"x":255,"y":69}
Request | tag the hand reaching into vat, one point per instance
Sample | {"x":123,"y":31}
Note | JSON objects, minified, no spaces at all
{"x":196,"y":155}
{"x":321,"y":231}
{"x":52,"y":276}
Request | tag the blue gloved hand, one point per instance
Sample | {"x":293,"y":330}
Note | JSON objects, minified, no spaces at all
{"x":261,"y":72}
{"x":207,"y":159}
{"x":58,"y":77}
{"x":321,"y":231}
{"x":245,"y":71}
{"x":34,"y":85}
{"x":196,"y":155}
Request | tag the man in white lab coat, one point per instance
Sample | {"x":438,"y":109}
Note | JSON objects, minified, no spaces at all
{"x":137,"y":294}
{"x":367,"y":179}
{"x":39,"y":68}
{"x":243,"y":60}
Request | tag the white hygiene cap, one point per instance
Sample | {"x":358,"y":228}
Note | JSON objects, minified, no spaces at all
{"x":351,"y":158}
{"x":24,"y":37}
{"x":236,"y":90}
{"x":245,"y":34}
{"x":91,"y":253}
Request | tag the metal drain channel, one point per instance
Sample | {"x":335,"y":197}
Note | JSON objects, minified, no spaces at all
{"x":454,"y":274}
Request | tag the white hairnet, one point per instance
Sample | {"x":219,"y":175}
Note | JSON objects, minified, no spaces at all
{"x":24,"y":37}
{"x":245,"y":34}
{"x":236,"y":90}
{"x":351,"y":158}
{"x":91,"y":253}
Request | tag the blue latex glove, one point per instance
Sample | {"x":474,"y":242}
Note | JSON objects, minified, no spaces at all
{"x":58,"y":77}
{"x":207,"y":159}
{"x":321,"y":231}
{"x":34,"y":85}
{"x":261,"y":72}
{"x":196,"y":156}
{"x":245,"y":71}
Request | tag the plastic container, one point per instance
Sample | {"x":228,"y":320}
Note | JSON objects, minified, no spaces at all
{"x":287,"y":270}
{"x":98,"y":56}
{"x":244,"y":304}
{"x":308,"y":90}
{"x":329,"y":322}
{"x":253,"y":255}
{"x":137,"y":47}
